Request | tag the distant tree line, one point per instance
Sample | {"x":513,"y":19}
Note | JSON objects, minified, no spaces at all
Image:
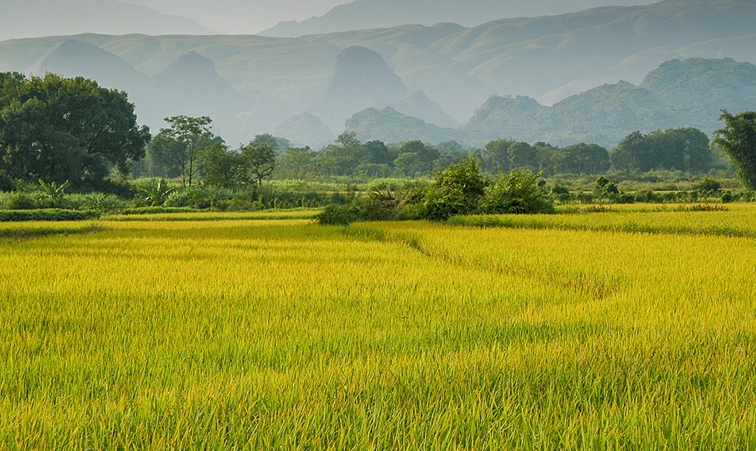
{"x":683,"y":149}
{"x":58,"y":130}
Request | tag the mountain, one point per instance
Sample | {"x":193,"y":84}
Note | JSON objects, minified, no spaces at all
{"x":367,"y":14}
{"x":361,"y":76}
{"x":391,"y":126}
{"x":688,"y":93}
{"x":55,"y":17}
{"x":549,"y":58}
{"x":419,"y":105}
{"x":191,"y":86}
{"x":701,"y":88}
{"x":305,"y":130}
{"x":79,"y":59}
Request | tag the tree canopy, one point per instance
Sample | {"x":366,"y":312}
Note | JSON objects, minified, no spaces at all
{"x":181,"y":146}
{"x":59,"y":129}
{"x":684,"y":149}
{"x":738,"y":140}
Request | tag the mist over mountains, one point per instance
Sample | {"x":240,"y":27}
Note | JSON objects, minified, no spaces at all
{"x":546,"y":78}
{"x":39,"y":18}
{"x":367,"y":14}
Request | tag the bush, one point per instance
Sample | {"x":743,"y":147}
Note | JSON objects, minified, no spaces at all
{"x":22,"y":201}
{"x":517,"y":192}
{"x":338,"y":215}
{"x":457,"y":190}
{"x":46,"y":215}
{"x":156,"y":210}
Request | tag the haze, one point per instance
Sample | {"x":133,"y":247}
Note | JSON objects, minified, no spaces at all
{"x":241,"y":16}
{"x":38,"y":18}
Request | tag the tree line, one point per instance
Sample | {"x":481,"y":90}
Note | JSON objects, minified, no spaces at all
{"x":71,"y":130}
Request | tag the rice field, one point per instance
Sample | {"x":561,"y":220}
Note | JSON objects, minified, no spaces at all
{"x":278,"y":333}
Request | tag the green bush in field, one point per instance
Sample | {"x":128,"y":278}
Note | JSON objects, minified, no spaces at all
{"x":518,"y":192}
{"x":52,"y":214}
{"x":339,"y":215}
{"x":457,"y":190}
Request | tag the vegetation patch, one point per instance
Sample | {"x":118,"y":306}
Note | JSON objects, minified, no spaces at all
{"x":52,"y":214}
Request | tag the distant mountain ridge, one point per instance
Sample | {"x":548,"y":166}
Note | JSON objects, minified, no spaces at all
{"x":688,"y":93}
{"x":369,"y":14}
{"x":549,"y":59}
{"x":56,"y":17}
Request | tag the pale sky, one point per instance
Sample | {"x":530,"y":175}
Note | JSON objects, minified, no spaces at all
{"x":241,"y":16}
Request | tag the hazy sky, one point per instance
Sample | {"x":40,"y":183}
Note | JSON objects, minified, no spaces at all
{"x":241,"y":16}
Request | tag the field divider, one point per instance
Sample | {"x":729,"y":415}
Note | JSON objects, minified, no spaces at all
{"x":539,"y":223}
{"x":30,"y":233}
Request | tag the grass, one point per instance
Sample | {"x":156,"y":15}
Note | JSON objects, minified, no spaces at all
{"x":216,"y":216}
{"x":282,"y":334}
{"x":735,"y":220}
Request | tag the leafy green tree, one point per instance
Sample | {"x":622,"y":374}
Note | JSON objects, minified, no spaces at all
{"x":708,"y":187}
{"x":378,"y":153}
{"x":278,"y":143}
{"x":521,"y":155}
{"x":409,"y":164}
{"x":181,"y":146}
{"x":53,"y":193}
{"x":258,"y":160}
{"x":584,"y":158}
{"x":220,"y":166}
{"x":738,"y":141}
{"x":684,"y":149}
{"x":59,"y":129}
{"x":518,"y":192}
{"x":457,"y":190}
{"x":496,"y":156}
{"x":426,"y":155}
{"x":299,"y":163}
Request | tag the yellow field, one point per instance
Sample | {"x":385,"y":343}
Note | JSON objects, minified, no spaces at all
{"x":282,"y":334}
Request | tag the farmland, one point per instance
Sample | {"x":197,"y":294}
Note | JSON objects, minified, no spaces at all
{"x":602,"y":329}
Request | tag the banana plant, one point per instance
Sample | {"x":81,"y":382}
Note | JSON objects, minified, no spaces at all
{"x":155,"y":193}
{"x":53,"y":193}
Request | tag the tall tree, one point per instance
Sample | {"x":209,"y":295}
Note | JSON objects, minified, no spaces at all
{"x":684,"y":149}
{"x":584,"y":158}
{"x":181,"y":146}
{"x":59,"y":129}
{"x":738,"y":141}
{"x":259,"y":160}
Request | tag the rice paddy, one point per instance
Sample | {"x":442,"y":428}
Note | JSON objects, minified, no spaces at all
{"x":539,"y":332}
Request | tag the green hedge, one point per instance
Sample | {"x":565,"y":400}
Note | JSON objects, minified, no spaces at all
{"x":157,"y":210}
{"x":52,"y":214}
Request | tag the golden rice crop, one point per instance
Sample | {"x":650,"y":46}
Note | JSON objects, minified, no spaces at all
{"x":288,"y":335}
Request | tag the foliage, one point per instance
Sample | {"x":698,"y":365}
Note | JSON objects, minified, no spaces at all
{"x":738,"y":141}
{"x":48,"y":214}
{"x":182,"y":146}
{"x":518,"y":192}
{"x":708,"y":186}
{"x":155,"y":192}
{"x":685,"y":149}
{"x":339,"y":215}
{"x":457,"y":190}
{"x":54,"y":194}
{"x":583,"y":158}
{"x":154,"y":210}
{"x":258,"y":161}
{"x":59,"y":129}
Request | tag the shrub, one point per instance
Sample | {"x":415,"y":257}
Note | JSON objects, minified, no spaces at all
{"x":457,"y":190}
{"x":22,"y":201}
{"x":46,"y":215}
{"x":338,"y":215}
{"x":517,"y":192}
